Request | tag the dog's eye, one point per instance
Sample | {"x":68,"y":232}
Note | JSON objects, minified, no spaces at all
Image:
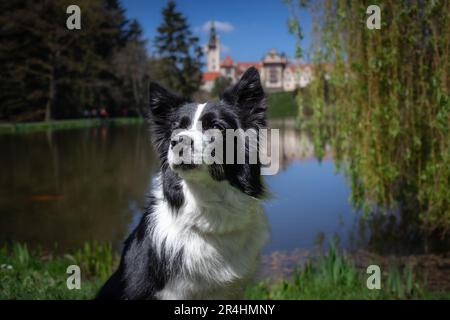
{"x":217,"y":126}
{"x":175,"y":124}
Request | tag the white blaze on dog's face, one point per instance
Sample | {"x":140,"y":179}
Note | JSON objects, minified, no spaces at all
{"x":198,"y":145}
{"x":187,"y":142}
{"x":190,"y":137}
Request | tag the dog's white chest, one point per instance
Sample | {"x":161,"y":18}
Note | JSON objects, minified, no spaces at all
{"x":216,"y":267}
{"x":219,"y":247}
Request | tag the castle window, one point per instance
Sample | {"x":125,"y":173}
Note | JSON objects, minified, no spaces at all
{"x":273,"y":75}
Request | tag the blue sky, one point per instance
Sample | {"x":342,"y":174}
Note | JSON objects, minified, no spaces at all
{"x":247,"y":28}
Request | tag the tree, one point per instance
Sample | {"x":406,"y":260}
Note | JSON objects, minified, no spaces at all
{"x":386,"y":109}
{"x":131,"y":65}
{"x":220,"y":84}
{"x":33,"y":48}
{"x":51,"y":72}
{"x":179,"y":52}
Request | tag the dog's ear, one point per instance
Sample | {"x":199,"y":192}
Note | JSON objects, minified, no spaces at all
{"x":248,"y":90}
{"x":248,"y":95}
{"x":162,"y":101}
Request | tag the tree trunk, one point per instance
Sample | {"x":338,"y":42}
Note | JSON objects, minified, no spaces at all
{"x":136,"y":94}
{"x":48,"y":116}
{"x":51,"y":93}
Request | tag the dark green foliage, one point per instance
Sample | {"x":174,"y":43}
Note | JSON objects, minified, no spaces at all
{"x":51,"y":72}
{"x":132,"y":68}
{"x":179,"y":53}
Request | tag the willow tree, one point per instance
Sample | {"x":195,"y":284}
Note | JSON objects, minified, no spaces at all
{"x":381,"y":100}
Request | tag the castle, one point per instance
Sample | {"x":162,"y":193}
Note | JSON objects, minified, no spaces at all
{"x":277,"y":73}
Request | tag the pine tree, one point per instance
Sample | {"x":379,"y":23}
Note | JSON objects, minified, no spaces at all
{"x":179,"y":52}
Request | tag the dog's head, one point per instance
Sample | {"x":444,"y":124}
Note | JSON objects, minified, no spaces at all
{"x":198,"y":139}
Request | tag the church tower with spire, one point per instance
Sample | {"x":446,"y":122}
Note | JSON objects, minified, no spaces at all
{"x":213,"y":50}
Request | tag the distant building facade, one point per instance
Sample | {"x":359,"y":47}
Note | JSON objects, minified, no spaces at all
{"x":277,"y":73}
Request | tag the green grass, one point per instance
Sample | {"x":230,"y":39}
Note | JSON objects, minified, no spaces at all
{"x":39,"y":275}
{"x":36,"y":274}
{"x":281,"y":105}
{"x":64,"y":124}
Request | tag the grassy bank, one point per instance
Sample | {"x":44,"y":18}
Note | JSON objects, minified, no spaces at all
{"x":36,"y":274}
{"x":64,"y":124}
{"x":281,"y":105}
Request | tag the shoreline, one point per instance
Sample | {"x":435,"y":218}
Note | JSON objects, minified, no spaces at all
{"x":13,"y":128}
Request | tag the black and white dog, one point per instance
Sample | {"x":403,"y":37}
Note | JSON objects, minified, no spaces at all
{"x":204,"y":227}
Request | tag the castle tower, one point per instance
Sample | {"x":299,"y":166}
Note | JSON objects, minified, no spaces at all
{"x":213,"y":50}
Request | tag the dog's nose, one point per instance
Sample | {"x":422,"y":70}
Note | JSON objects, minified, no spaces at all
{"x":185,"y":139}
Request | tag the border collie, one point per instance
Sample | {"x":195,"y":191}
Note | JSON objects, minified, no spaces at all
{"x":204,"y":226}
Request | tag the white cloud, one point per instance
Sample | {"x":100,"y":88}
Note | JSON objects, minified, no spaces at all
{"x":221,"y":26}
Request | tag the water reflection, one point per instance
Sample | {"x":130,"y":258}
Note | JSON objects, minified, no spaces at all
{"x":396,"y":234}
{"x":71,"y":186}
{"x":308,"y":197}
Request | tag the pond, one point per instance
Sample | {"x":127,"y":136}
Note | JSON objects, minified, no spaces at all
{"x":60,"y":189}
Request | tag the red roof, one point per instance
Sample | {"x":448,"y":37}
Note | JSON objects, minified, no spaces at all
{"x":211,"y":75}
{"x":227,"y":62}
{"x":294,"y":67}
{"x":242,"y":66}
